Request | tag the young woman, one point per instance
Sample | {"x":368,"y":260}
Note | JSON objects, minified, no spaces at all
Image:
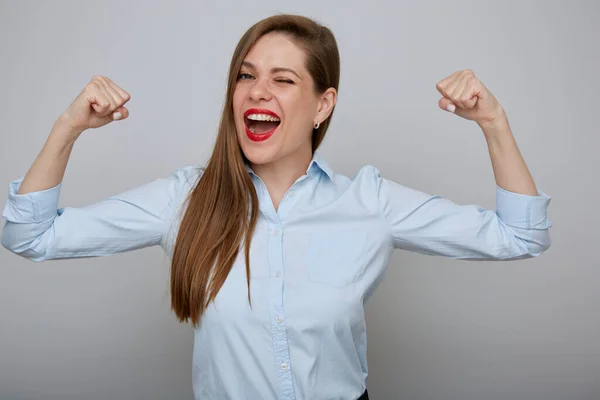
{"x":273,"y":254}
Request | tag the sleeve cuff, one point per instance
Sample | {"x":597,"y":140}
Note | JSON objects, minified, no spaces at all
{"x":31,"y":207}
{"x":521,"y":210}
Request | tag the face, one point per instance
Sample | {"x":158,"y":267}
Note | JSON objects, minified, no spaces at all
{"x":274,"y":103}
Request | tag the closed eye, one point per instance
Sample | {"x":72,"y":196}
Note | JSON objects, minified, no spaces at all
{"x":285,"y":81}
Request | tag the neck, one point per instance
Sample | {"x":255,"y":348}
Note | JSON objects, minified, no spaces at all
{"x":279,"y":175}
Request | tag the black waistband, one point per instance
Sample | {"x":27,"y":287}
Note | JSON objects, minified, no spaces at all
{"x":364,"y":396}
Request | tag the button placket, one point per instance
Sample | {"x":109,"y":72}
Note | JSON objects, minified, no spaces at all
{"x":278,"y":330}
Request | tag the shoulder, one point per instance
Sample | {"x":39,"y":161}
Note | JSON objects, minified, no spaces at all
{"x":179,"y":185}
{"x":362,"y":185}
{"x":176,"y":185}
{"x":186,"y":177}
{"x":369,"y":182}
{"x":366,"y":176}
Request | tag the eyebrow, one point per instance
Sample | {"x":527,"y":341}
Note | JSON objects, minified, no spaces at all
{"x":273,"y":70}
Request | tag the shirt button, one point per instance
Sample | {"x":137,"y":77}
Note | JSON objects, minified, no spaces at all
{"x":276,"y":232}
{"x":291,"y":193}
{"x":277,"y":274}
{"x":284,"y":366}
{"x":278,"y":319}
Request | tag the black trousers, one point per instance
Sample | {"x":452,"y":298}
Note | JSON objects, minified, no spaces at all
{"x":364,"y":396}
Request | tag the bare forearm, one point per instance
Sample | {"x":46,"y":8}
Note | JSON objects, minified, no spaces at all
{"x":510,"y":171}
{"x":49,"y":167}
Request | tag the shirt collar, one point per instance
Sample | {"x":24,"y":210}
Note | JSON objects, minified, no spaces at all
{"x":317,"y":163}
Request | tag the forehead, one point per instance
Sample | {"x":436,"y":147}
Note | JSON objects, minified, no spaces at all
{"x":276,"y":50}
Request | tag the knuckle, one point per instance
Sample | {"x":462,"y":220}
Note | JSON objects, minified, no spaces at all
{"x":93,"y":87}
{"x":101,"y":98}
{"x":100,"y":81}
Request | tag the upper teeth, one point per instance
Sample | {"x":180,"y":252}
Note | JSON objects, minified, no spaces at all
{"x":263,"y":117}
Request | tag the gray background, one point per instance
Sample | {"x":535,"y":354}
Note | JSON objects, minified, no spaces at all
{"x":438,"y":328}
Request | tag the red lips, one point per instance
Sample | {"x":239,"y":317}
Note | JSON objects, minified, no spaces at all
{"x":262,"y":136}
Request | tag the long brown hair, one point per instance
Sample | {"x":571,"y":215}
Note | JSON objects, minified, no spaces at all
{"x":222,"y":209}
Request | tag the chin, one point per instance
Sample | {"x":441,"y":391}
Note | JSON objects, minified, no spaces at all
{"x":259,"y":156}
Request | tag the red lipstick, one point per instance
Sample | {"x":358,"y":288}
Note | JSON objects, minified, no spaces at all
{"x":263,"y":136}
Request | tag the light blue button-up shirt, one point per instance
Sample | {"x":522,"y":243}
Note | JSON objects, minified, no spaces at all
{"x":314,"y":263}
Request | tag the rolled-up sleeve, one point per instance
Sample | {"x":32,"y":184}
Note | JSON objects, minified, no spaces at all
{"x":37,"y":229}
{"x":430,"y":224}
{"x":36,"y":207}
{"x":523,"y":211}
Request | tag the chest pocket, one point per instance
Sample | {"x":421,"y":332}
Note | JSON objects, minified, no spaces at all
{"x":336,"y":258}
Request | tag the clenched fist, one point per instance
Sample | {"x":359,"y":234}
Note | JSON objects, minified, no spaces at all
{"x":100,"y":102}
{"x":465,"y":95}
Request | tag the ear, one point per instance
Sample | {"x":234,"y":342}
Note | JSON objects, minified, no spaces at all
{"x":325,"y":105}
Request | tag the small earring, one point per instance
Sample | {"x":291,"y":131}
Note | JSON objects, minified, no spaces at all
{"x":316,"y":126}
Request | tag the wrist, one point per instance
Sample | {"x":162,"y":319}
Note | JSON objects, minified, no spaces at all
{"x":499,"y":137}
{"x":498,"y":121}
{"x":62,"y":130}
{"x":496,"y":129}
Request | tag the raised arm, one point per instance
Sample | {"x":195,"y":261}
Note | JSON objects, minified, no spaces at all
{"x":518,"y":228}
{"x":465,"y":95}
{"x":99,"y":103}
{"x":37,"y":229}
{"x":140,"y":217}
{"x":430,"y":224}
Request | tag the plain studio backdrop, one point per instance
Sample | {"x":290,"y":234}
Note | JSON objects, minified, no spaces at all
{"x":101,"y":328}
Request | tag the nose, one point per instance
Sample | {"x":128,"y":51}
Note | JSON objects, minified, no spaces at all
{"x":260,"y":90}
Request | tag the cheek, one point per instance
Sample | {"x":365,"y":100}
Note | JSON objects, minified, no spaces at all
{"x":237,"y":117}
{"x":301,"y":114}
{"x":295,"y":106}
{"x":238,"y":97}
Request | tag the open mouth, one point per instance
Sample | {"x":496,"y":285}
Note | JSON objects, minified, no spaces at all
{"x":260,"y":124}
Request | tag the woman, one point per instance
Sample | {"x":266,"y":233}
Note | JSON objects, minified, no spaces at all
{"x":273,"y":254}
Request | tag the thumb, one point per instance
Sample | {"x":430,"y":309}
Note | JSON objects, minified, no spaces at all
{"x":120,"y":113}
{"x":447,"y":105}
{"x":100,"y":108}
{"x":466,"y":113}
